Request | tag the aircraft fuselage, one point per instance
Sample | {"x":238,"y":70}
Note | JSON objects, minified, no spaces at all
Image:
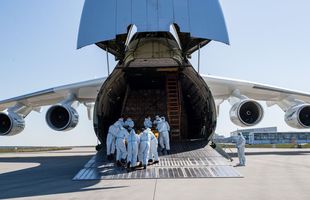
{"x":154,"y":78}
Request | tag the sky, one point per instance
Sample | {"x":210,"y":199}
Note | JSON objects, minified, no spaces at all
{"x":270,"y":44}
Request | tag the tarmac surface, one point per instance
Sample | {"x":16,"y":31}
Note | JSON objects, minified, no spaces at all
{"x":269,"y":174}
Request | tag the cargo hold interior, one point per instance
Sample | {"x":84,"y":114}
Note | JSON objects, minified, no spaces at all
{"x":180,"y":95}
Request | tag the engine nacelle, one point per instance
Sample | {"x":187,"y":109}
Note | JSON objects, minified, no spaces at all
{"x":298,"y":116}
{"x":62,"y":117}
{"x":246,"y":113}
{"x":11,"y":124}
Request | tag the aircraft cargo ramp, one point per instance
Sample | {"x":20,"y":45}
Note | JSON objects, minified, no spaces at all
{"x":187,"y":160}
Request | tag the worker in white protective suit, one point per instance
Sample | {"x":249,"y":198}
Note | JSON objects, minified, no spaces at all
{"x":110,"y":142}
{"x":240,"y":144}
{"x":121,"y":151}
{"x":129,"y":123}
{"x":167,"y":124}
{"x":153,"y":143}
{"x":153,"y":149}
{"x":163,"y":129}
{"x":155,"y":122}
{"x":148,"y":122}
{"x":133,"y":141}
{"x":144,"y":147}
{"x":163,"y":119}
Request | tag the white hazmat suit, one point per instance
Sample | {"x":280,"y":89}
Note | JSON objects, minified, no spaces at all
{"x":240,"y":144}
{"x":157,"y":119}
{"x":129,"y":123}
{"x":144,"y":147}
{"x":110,"y":142}
{"x":163,"y":128}
{"x":121,"y":151}
{"x":167,"y":124}
{"x":133,"y":141}
{"x":153,"y":148}
{"x":147,"y":122}
{"x":153,"y":142}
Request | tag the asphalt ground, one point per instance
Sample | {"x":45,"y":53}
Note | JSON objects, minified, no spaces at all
{"x":269,"y":174}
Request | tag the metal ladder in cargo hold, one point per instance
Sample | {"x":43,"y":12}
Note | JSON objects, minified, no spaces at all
{"x":173,"y":107}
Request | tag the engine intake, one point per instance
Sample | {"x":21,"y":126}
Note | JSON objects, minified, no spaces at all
{"x":62,"y":118}
{"x":11,"y":124}
{"x":298,"y":116}
{"x":246,"y":113}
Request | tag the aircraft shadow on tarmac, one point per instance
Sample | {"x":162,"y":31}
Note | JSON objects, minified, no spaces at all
{"x":53,"y":176}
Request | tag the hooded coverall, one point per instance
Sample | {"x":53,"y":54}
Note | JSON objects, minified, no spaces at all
{"x":133,"y":141}
{"x":162,"y":127}
{"x":147,"y":123}
{"x":144,"y":147}
{"x":240,"y":144}
{"x":121,"y":151}
{"x":153,"y":147}
{"x":110,"y":142}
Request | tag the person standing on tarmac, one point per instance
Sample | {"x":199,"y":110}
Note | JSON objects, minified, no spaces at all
{"x":110,"y":141}
{"x":153,"y":142}
{"x":163,"y":127}
{"x":133,"y":141}
{"x":121,"y":152}
{"x":240,"y":144}
{"x":144,"y":147}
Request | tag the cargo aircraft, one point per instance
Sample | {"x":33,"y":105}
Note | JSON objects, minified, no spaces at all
{"x":152,"y":41}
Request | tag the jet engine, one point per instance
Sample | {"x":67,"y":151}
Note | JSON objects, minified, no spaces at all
{"x":62,"y":117}
{"x":298,"y":116}
{"x":11,"y":124}
{"x":246,"y":113}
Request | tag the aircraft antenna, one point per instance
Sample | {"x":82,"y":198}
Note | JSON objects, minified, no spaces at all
{"x":108,"y":66}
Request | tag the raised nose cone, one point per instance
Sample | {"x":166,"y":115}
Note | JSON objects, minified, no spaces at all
{"x":106,"y":23}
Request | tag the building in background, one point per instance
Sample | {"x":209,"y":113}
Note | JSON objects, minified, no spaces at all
{"x":269,"y":135}
{"x":217,"y":137}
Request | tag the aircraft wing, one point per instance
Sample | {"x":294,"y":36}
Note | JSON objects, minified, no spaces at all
{"x":225,"y":89}
{"x":83,"y":92}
